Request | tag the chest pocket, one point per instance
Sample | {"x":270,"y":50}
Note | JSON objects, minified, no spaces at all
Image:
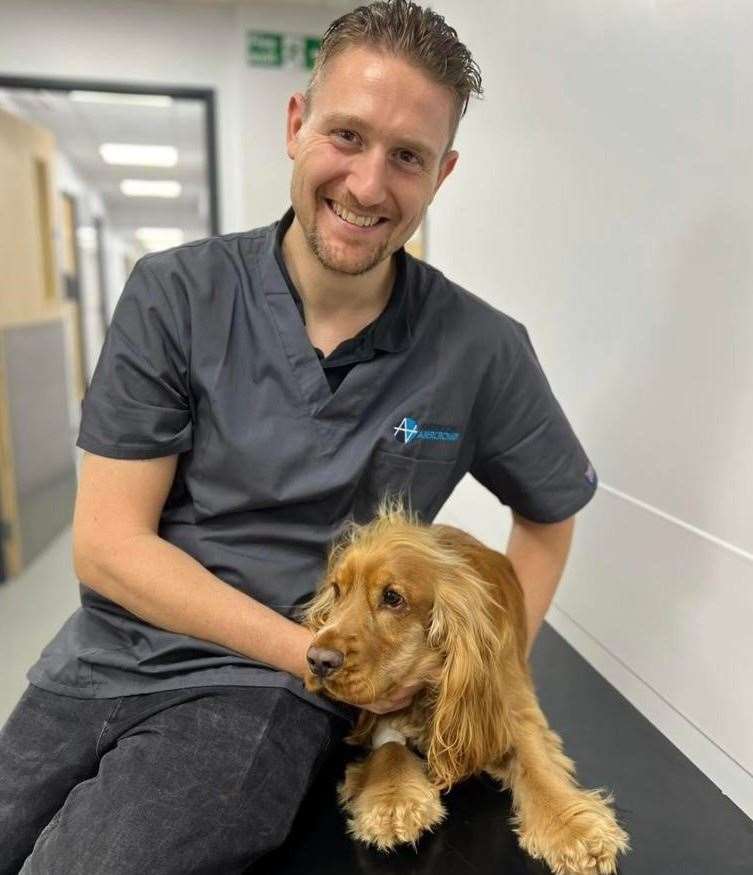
{"x":422,"y":484}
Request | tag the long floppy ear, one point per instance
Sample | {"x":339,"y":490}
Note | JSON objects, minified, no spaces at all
{"x":470,"y":725}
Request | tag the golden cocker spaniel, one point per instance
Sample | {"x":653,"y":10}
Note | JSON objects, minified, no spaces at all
{"x":405,"y":603}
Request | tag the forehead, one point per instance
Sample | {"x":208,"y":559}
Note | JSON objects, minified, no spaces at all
{"x":371,"y":566}
{"x":383,"y":564}
{"x":386,"y":93}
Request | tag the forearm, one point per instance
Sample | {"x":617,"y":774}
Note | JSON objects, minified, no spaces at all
{"x":168,"y":588}
{"x":538,"y":553}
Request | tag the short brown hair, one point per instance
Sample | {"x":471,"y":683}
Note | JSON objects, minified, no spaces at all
{"x":407,"y":30}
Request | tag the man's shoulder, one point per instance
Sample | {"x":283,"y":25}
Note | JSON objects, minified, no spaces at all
{"x":208,"y":252}
{"x":199,"y":275}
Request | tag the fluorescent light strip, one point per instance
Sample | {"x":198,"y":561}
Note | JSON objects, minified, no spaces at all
{"x":156,"y":100}
{"x":143,"y":156}
{"x":150,"y":188}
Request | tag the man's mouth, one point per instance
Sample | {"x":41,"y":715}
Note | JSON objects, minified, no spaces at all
{"x":357,"y":220}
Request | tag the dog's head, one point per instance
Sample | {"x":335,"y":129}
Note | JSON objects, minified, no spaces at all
{"x":403,"y":603}
{"x":373,"y":612}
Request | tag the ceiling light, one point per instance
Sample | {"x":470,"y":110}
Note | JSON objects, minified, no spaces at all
{"x":150,"y":188}
{"x":159,"y":100}
{"x":144,"y":156}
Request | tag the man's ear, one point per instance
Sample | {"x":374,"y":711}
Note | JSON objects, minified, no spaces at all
{"x":446,"y":167}
{"x":296,"y":112}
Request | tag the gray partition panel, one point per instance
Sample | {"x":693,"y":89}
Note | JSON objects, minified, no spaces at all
{"x":44,"y":462}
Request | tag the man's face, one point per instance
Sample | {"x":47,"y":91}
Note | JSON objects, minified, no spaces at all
{"x":368,"y":158}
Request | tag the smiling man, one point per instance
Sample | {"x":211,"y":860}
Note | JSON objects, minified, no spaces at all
{"x":255,"y":393}
{"x":370,"y":144}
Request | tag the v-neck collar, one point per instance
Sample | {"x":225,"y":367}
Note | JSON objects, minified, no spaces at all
{"x":389,"y":332}
{"x":304,"y":361}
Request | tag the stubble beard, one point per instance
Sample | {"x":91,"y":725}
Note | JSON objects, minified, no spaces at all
{"x":330,"y":261}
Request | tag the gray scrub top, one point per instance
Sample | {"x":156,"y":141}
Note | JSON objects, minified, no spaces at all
{"x":207,"y":357}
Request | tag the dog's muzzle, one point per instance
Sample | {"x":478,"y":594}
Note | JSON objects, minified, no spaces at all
{"x":323,"y":662}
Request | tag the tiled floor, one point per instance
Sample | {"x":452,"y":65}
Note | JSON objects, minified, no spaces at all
{"x":32,"y":608}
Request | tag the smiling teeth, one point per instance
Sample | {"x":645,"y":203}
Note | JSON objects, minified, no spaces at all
{"x":353,"y":218}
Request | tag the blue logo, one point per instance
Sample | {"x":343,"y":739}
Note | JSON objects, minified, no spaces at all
{"x":409,"y":430}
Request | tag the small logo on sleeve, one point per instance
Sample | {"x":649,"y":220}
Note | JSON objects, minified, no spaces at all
{"x":409,"y":430}
{"x":590,"y":474}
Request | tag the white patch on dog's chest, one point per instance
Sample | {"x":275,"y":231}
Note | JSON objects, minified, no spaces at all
{"x":385,"y":733}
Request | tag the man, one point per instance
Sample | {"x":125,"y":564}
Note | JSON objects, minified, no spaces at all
{"x":254,"y":393}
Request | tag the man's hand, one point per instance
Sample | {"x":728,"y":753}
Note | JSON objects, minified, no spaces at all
{"x":397,"y":700}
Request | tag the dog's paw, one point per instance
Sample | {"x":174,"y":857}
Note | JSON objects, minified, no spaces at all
{"x":389,"y":799}
{"x":397,"y":818}
{"x":585,"y":839}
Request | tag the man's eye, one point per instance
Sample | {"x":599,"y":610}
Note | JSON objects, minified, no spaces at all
{"x":392,"y":599}
{"x":405,"y":156}
{"x":346,"y":135}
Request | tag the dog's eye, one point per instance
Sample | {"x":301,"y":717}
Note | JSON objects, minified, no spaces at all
{"x":392,"y":599}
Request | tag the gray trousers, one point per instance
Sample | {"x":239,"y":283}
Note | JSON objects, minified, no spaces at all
{"x":202,"y":780}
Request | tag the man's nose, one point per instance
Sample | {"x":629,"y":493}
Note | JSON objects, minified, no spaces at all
{"x":324,"y":662}
{"x":367,"y":180}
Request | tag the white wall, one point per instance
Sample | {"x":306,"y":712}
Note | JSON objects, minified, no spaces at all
{"x":178,"y":44}
{"x":264,"y":96}
{"x":604,"y":200}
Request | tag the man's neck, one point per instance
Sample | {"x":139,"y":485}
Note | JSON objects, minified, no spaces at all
{"x":329,"y":295}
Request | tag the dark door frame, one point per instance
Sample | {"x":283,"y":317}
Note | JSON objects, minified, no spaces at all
{"x":177,"y":91}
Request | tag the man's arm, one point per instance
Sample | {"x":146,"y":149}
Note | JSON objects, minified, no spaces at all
{"x":538,"y":552}
{"x":118,"y":553}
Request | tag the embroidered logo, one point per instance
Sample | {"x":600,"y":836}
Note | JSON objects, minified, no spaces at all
{"x":409,"y":430}
{"x":590,"y":474}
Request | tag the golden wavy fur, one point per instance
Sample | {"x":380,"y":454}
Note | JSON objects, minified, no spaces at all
{"x":404,"y":603}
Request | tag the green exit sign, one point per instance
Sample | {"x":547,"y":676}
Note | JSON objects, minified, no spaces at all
{"x":311,"y":49}
{"x":264,"y":49}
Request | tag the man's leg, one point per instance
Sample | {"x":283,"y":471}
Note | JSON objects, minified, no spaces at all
{"x":48,"y":745}
{"x":194,"y":781}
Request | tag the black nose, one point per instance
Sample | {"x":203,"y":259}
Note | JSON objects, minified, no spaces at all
{"x":324,"y":662}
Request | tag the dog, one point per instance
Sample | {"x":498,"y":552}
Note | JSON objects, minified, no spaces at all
{"x":405,"y":603}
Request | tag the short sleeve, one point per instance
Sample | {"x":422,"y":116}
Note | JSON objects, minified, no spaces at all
{"x":137,"y":406}
{"x":526,"y":452}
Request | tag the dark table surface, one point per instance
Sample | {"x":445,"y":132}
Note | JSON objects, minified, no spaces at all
{"x":679,"y":822}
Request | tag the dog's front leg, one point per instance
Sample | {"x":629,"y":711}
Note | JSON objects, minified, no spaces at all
{"x":389,"y":798}
{"x":572,"y":829}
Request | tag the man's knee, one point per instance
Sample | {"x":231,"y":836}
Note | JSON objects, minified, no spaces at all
{"x":45,"y":750}
{"x":211,"y":784}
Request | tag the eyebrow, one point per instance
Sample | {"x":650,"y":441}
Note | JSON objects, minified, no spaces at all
{"x":346,"y":120}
